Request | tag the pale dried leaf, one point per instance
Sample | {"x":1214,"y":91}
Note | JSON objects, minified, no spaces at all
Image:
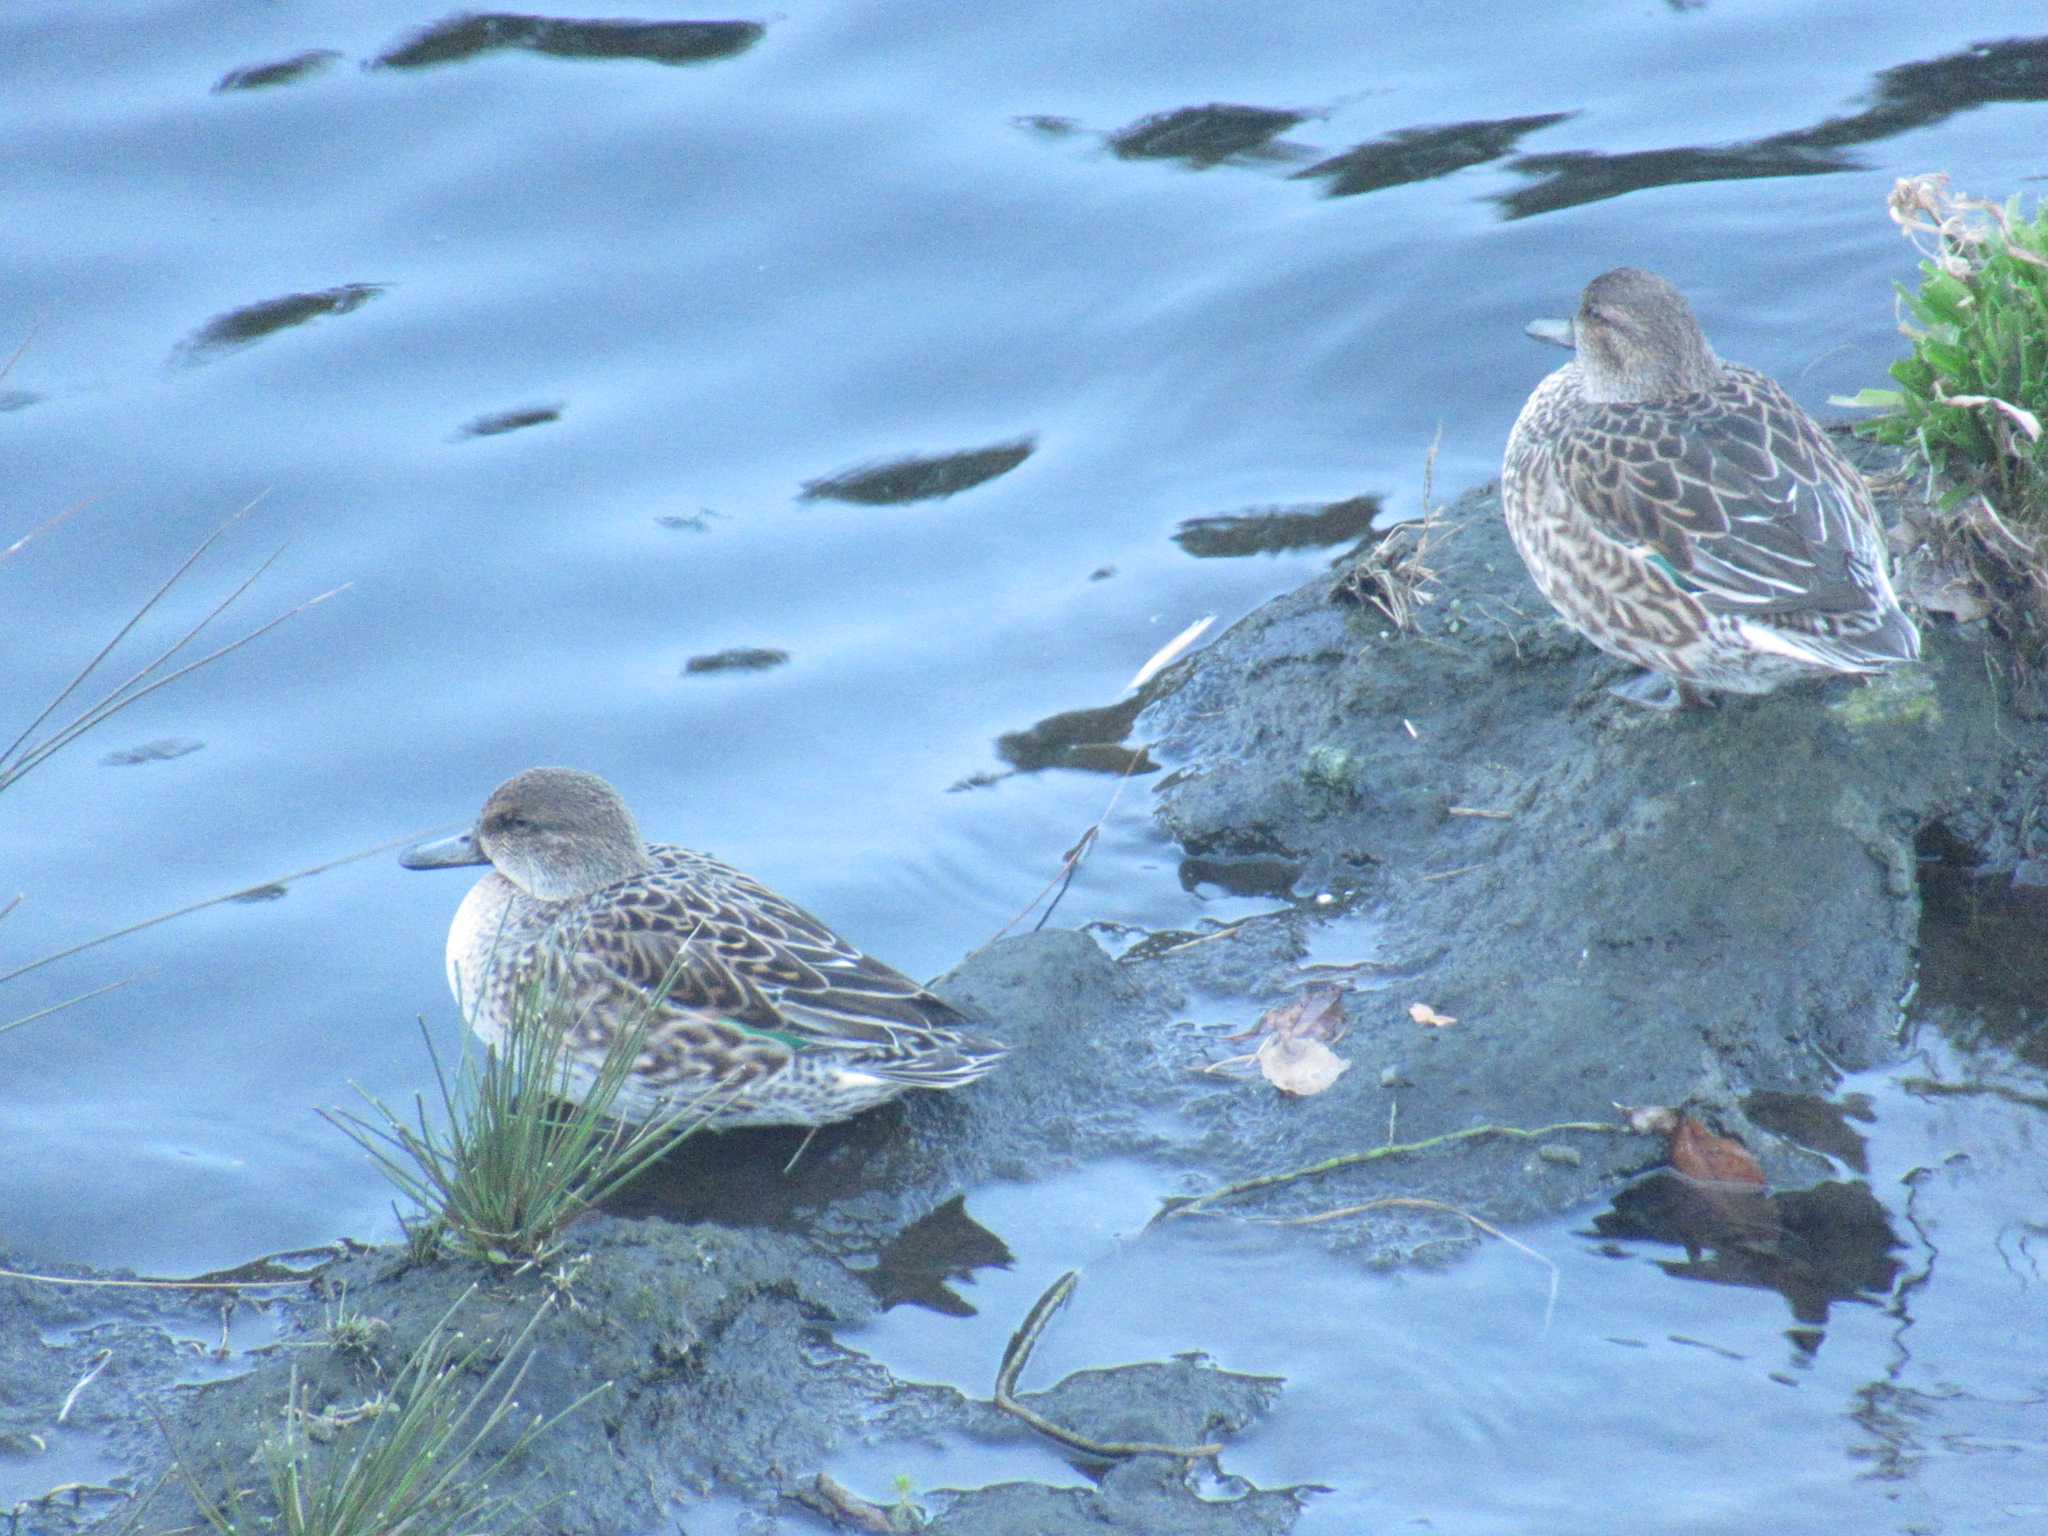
{"x":1300,"y":1066}
{"x":1649,"y":1119}
{"x":2022,"y":418}
{"x":1428,"y":1017}
{"x":1168,"y":653}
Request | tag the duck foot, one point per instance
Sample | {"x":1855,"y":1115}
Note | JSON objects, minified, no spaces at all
{"x":1663,"y":693}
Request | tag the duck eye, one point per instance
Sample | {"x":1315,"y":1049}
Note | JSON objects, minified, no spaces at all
{"x":506,"y":821}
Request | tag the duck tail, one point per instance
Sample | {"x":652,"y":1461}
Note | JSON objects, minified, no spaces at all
{"x":951,"y":1062}
{"x":1883,"y":638}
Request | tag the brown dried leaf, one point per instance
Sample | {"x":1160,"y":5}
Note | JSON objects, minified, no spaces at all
{"x":1698,"y":1153}
{"x":1317,"y":1013}
{"x":1428,"y":1017}
{"x":1298,"y":1065}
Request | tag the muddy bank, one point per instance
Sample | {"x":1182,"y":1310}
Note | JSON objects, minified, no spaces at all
{"x":1610,"y":906}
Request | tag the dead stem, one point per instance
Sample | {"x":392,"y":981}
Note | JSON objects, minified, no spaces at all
{"x":200,"y":906}
{"x":1023,"y":1342}
{"x":152,"y":1285}
{"x":99,"y":1363}
{"x":1199,"y":1203}
{"x":1417,"y":1203}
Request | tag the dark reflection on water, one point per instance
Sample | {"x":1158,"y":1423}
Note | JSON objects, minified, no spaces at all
{"x":283,"y":72}
{"x":1819,"y":1124}
{"x":460,"y":38}
{"x":1422,"y":154}
{"x":244,"y":327}
{"x":1204,"y":136}
{"x":1983,"y":965}
{"x":1245,"y":875}
{"x":162,"y":750}
{"x":1588,"y":176}
{"x":498,"y":423}
{"x":1907,"y":97}
{"x":1832,"y":1242}
{"x":1088,"y":739}
{"x":738,"y":658}
{"x":920,"y":478}
{"x":919,"y":1263}
{"x":1271,"y":530}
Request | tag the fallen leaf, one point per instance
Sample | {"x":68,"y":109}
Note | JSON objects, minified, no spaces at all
{"x":1165,"y":656}
{"x":1295,"y":1053}
{"x":1696,"y":1152}
{"x":1428,"y":1017}
{"x":1317,"y":1014}
{"x":1300,"y":1066}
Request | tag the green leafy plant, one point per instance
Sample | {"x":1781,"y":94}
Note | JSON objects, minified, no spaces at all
{"x":408,"y":1461}
{"x":516,"y":1155}
{"x":1972,"y":394}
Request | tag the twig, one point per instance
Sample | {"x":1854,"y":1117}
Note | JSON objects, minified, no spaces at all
{"x":40,"y":528}
{"x":71,"y":1398}
{"x":1440,"y":874}
{"x":43,"y":1013}
{"x":1193,"y":1204}
{"x":152,"y":1285}
{"x":200,"y":906}
{"x":1474,"y":810}
{"x":1414,"y":1202}
{"x":1934,"y":1087}
{"x":1070,"y":864}
{"x":1023,"y":1342}
{"x":1210,"y":937}
{"x":842,"y":1506}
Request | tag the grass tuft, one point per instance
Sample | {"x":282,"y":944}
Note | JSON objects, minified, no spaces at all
{"x":408,"y":1461}
{"x":515,"y":1155}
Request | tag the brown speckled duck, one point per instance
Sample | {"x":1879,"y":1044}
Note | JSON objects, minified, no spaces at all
{"x":1684,"y":513}
{"x":767,"y":1016}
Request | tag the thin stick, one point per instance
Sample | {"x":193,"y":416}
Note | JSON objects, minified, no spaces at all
{"x":122,"y":633}
{"x":40,"y":528}
{"x":1214,"y":934}
{"x":1415,"y":1202}
{"x":211,"y":901}
{"x":152,"y":1285}
{"x":1023,"y":1342}
{"x":44,"y":1013}
{"x":122,"y":697}
{"x":1190,"y":1206}
{"x":71,"y":1398}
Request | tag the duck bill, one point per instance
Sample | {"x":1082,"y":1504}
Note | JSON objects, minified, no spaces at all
{"x":444,"y":853}
{"x":1557,"y":332}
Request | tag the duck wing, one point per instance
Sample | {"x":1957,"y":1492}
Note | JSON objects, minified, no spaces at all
{"x":1736,"y":492}
{"x":716,"y":947}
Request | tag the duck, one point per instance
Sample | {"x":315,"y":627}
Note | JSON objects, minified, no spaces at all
{"x":1686,"y":515}
{"x":755,"y":1012}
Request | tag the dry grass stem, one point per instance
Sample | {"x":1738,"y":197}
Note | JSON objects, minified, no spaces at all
{"x":1205,"y":1204}
{"x":1018,"y":1354}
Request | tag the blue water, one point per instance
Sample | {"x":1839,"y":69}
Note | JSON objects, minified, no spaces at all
{"x":882,"y":229}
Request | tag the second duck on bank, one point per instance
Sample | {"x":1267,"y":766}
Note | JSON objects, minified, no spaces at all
{"x":756,"y":1012}
{"x":1685,"y":514}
